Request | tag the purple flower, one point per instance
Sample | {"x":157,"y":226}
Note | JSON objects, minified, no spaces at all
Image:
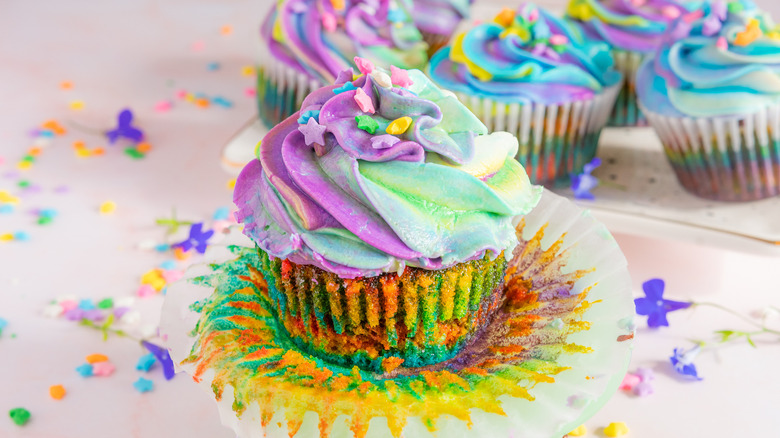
{"x":682,"y":361}
{"x":655,"y":306}
{"x":583,"y":183}
{"x":163,"y":357}
{"x":197,"y":239}
{"x":125,"y":128}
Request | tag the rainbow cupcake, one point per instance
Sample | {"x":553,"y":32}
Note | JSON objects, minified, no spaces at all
{"x":712,"y":93}
{"x":633,"y":29}
{"x":438,"y":20}
{"x":370,"y":259}
{"x":307,"y":43}
{"x":533,"y":74}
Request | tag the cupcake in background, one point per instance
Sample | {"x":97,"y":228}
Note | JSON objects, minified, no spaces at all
{"x":712,"y":93}
{"x":306,"y":43}
{"x":370,"y":258}
{"x":534,"y":75}
{"x":633,"y":29}
{"x":438,"y":20}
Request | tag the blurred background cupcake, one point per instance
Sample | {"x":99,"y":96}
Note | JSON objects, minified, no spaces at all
{"x":712,"y":93}
{"x":306,"y":43}
{"x":438,"y":20}
{"x":371,"y":260}
{"x":633,"y":29}
{"x":533,"y":74}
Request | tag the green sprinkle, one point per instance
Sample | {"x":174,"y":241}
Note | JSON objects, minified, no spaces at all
{"x":106,"y":304}
{"x":735,"y":7}
{"x":560,"y":48}
{"x":366,"y":123}
{"x":23,"y":184}
{"x":20,"y":416}
{"x":43,"y":220}
{"x":134,"y":153}
{"x":28,"y":158}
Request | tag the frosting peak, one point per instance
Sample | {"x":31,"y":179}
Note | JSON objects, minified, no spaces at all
{"x":369,"y":177}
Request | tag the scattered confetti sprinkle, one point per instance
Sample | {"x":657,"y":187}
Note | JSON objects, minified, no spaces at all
{"x":629,"y":382}
{"x":366,"y":123}
{"x":212,"y":66}
{"x":348,"y":86}
{"x":145,"y":362}
{"x":3,"y":324}
{"x":84,"y":370}
{"x":399,"y":125}
{"x":247,"y":70}
{"x":616,"y":429}
{"x":57,"y":392}
{"x":313,"y":132}
{"x":400,"y":77}
{"x":76,"y":105}
{"x":250,"y":92}
{"x":364,"y":102}
{"x":66,"y":85}
{"x":107,"y":207}
{"x":581,"y":430}
{"x":143,"y":385}
{"x":226,"y":30}
{"x":364,"y":65}
{"x":20,"y":416}
{"x":103,"y":369}
{"x":96,"y":357}
{"x":197,"y":46}
{"x":163,"y":106}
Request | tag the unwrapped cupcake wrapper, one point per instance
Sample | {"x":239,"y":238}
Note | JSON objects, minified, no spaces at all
{"x":556,"y":141}
{"x":420,"y":316}
{"x":626,"y":111}
{"x":724,"y":158}
{"x":280,"y":90}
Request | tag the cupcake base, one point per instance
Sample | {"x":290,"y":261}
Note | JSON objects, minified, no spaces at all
{"x":556,"y":141}
{"x":435,"y":41}
{"x":724,"y":158}
{"x":626,"y":111}
{"x":552,"y":356}
{"x":280,"y":90}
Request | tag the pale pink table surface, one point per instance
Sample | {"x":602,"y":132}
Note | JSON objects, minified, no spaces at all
{"x":136,"y":53}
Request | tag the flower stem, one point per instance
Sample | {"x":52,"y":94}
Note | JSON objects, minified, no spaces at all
{"x":106,"y":330}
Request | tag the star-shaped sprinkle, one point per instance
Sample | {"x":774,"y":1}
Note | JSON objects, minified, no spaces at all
{"x":399,"y":125}
{"x":710,"y":26}
{"x":533,"y":15}
{"x":364,"y":101}
{"x":197,"y":239}
{"x":313,"y":132}
{"x":384,"y":141}
{"x":400,"y":77}
{"x":719,"y":9}
{"x":722,"y":44}
{"x":143,"y":385}
{"x":364,"y":65}
{"x":346,"y":87}
{"x":125,"y":128}
{"x":367,"y":124}
{"x":558,"y":39}
{"x":145,"y":363}
{"x":306,"y":115}
{"x":381,"y":78}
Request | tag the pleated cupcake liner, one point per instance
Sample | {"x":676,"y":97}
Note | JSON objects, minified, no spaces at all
{"x":435,"y":41}
{"x":724,"y":158}
{"x":419,"y":317}
{"x":626,"y":111}
{"x":553,"y":354}
{"x":280,"y":90}
{"x":556,"y":141}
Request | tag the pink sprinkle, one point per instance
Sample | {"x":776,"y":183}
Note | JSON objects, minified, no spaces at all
{"x":629,"y":382}
{"x":103,"y":369}
{"x":533,"y":15}
{"x":693,"y":16}
{"x":197,"y":46}
{"x":638,"y":3}
{"x":68,"y":305}
{"x":329,"y":21}
{"x":250,"y":92}
{"x":172,"y":275}
{"x":220,"y":226}
{"x":722,"y":44}
{"x":181,"y":94}
{"x":400,"y":77}
{"x":364,"y":65}
{"x":670,"y":12}
{"x":162,"y":106}
{"x":364,"y":102}
{"x":558,"y":39}
{"x":145,"y":291}
{"x":643,"y":389}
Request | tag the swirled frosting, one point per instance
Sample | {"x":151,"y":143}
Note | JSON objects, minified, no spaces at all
{"x":368,"y":178}
{"x":440,"y":17}
{"x":634,"y":25}
{"x":524,"y":56}
{"x":721,"y":60}
{"x":321,"y":37}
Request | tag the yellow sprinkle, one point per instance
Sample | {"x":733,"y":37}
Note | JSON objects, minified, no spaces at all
{"x":579,"y":431}
{"x":76,"y":104}
{"x":189,"y":97}
{"x":66,"y":85}
{"x":337,"y":4}
{"x":247,"y":70}
{"x":83,"y":152}
{"x":23,"y":165}
{"x":226,"y":30}
{"x":399,"y":126}
{"x":107,"y":207}
{"x":57,"y":392}
{"x":8,"y":198}
{"x":7,"y":237}
{"x":616,"y":429}
{"x":231,"y":184}
{"x":751,"y":33}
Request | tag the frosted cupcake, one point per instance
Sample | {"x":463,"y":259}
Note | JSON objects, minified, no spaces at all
{"x":712,"y":93}
{"x":532,"y":74}
{"x":372,"y":259}
{"x":633,"y":29}
{"x":306,"y":43}
{"x":438,"y":20}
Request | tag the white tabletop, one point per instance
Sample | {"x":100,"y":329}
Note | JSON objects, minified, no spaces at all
{"x":135,"y":54}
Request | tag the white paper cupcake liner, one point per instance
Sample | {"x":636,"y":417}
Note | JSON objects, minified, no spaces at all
{"x":280,"y":89}
{"x":556,"y":141}
{"x":568,"y":347}
{"x":626,"y":111}
{"x":724,"y":158}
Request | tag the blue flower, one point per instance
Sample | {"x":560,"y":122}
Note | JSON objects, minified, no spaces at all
{"x":583,"y":183}
{"x":654,"y":306}
{"x":682,"y":361}
{"x":163,"y":357}
{"x":197,"y":239}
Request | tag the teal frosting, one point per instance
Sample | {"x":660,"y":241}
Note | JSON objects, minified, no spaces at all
{"x":704,"y":68}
